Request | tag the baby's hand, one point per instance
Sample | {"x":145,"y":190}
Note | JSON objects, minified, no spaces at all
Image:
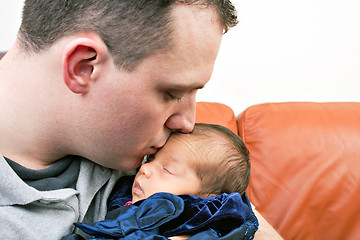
{"x":182,"y":237}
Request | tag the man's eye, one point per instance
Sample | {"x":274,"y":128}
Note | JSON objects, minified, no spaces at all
{"x":172,"y":96}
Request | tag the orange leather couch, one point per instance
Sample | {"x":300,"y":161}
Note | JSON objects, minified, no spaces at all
{"x":305,"y":173}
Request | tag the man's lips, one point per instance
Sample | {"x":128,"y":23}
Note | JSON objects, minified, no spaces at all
{"x":153,"y":150}
{"x":149,"y":151}
{"x":156,"y":147}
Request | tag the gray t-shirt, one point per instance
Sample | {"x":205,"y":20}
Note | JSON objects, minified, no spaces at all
{"x":62,"y":174}
{"x":30,"y":213}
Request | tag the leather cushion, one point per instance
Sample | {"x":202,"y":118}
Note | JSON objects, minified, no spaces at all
{"x":216,"y":113}
{"x":305,"y":173}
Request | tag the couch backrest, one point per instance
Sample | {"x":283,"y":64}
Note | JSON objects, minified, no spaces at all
{"x":216,"y":113}
{"x":305,"y":173}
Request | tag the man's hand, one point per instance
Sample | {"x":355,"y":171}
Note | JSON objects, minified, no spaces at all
{"x":265,"y":231}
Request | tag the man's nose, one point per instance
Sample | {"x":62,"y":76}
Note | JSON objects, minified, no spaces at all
{"x":184,"y":117}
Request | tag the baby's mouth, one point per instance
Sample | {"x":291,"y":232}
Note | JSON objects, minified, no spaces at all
{"x":137,"y":190}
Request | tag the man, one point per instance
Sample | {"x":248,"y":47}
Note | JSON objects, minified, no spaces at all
{"x":101,"y":80}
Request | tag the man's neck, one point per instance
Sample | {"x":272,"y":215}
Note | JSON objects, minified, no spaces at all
{"x":27,"y":123}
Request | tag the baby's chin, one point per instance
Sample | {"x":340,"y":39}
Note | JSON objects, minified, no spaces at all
{"x":136,"y":199}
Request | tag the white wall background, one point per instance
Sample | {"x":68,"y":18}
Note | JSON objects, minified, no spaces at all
{"x":282,"y":50}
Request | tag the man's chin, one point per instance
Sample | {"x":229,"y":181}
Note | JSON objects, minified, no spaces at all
{"x":131,"y":164}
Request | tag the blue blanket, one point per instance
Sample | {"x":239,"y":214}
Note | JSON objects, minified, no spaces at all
{"x":162,"y":215}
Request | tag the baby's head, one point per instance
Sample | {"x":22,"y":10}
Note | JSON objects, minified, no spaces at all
{"x":210,"y":160}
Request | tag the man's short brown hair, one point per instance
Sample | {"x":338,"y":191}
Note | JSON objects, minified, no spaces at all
{"x":131,"y":29}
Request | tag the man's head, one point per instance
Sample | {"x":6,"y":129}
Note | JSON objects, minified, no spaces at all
{"x":131,"y":29}
{"x":115,"y":76}
{"x":210,"y":160}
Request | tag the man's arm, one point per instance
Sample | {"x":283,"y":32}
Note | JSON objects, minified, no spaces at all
{"x":265,"y":231}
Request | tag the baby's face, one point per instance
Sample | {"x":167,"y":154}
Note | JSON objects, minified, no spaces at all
{"x":169,"y":170}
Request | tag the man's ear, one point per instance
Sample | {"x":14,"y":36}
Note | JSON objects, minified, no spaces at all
{"x":82,"y":55}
